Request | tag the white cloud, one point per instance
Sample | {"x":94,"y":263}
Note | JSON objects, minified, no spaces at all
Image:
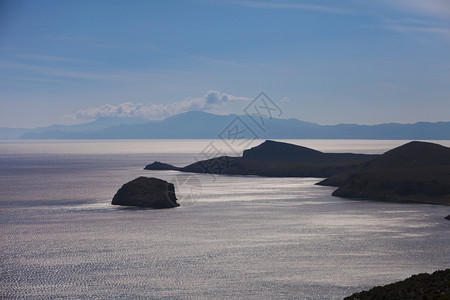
{"x":214,"y":98}
{"x":285,"y":100}
{"x":211,"y":101}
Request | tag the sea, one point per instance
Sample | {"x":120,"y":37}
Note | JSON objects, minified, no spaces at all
{"x":233,"y":237}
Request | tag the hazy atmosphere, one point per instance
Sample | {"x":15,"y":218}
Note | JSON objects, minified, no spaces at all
{"x":225,"y":149}
{"x":330,"y":62}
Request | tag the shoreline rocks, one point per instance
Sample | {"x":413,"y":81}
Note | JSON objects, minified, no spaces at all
{"x":421,"y":286}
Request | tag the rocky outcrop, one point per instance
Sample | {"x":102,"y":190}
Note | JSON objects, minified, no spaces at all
{"x":422,"y":286}
{"x":417,"y":172}
{"x":146,"y":192}
{"x":160,"y":166}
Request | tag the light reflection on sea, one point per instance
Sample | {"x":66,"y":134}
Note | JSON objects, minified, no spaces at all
{"x":241,"y":237}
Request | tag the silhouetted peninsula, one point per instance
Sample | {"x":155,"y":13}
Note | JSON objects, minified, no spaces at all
{"x":416,"y":171}
{"x":146,"y":192}
{"x":276,"y":159}
{"x":422,"y":286}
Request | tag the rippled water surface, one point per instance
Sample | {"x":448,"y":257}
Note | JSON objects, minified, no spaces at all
{"x":232,"y":237}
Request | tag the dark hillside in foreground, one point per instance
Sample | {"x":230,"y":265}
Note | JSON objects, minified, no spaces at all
{"x":423,"y":286}
{"x":417,"y":171}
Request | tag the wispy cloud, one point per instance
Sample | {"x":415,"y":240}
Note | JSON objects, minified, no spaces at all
{"x":28,"y":78}
{"x":423,"y":7}
{"x":284,"y":4}
{"x":45,"y":57}
{"x":67,"y":73}
{"x":63,"y":37}
{"x":215,"y":61}
{"x":211,"y":101}
{"x":421,"y":29}
{"x":90,"y":41}
{"x":417,"y":28}
{"x":419,"y":18}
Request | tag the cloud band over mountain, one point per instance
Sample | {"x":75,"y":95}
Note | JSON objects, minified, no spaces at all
{"x":210,"y":102}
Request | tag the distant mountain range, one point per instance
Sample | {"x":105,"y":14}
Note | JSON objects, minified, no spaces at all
{"x":60,"y":130}
{"x":201,"y":125}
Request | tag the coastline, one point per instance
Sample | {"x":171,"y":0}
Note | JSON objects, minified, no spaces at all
{"x":415,"y":172}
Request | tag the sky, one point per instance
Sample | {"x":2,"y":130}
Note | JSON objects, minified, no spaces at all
{"x":329,"y":62}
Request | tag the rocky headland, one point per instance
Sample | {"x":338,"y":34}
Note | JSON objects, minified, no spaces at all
{"x":146,"y":192}
{"x":422,"y":286}
{"x":414,"y":172}
{"x":276,"y":159}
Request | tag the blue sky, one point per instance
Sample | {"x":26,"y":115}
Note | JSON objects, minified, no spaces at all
{"x":329,"y":62}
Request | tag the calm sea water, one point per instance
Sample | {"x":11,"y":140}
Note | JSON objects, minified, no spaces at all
{"x":233,"y":236}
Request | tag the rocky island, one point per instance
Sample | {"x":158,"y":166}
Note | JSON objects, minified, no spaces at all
{"x":146,"y":192}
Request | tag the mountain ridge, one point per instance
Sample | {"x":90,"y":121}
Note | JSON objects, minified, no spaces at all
{"x":202,"y":125}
